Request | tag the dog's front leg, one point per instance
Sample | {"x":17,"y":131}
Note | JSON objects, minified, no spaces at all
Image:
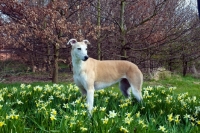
{"x":90,"y":99}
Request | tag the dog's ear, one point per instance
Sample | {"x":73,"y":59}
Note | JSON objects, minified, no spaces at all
{"x":72,"y":41}
{"x":86,"y":42}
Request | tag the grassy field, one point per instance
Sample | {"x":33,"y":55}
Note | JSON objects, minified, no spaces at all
{"x":183,"y":84}
{"x":170,"y":106}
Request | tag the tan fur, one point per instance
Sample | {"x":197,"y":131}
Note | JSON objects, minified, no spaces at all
{"x":91,"y":75}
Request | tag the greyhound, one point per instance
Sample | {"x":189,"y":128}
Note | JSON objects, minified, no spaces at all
{"x":90,"y":74}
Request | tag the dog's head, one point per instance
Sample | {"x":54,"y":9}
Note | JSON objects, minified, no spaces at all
{"x":79,"y":49}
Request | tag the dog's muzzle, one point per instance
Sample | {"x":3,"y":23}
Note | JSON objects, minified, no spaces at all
{"x":85,"y":58}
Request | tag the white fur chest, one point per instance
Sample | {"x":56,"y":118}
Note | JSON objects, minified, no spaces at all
{"x":79,"y":74}
{"x":80,"y":80}
{"x":77,"y":70}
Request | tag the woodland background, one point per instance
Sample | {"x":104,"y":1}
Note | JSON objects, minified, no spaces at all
{"x":152,"y":34}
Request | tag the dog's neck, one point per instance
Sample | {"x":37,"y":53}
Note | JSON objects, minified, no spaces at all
{"x":77,"y":64}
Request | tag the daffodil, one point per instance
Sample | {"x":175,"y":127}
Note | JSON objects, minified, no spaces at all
{"x":73,"y":104}
{"x":144,"y":125}
{"x":128,"y":114}
{"x":172,"y":88}
{"x":1,"y":97}
{"x":38,"y":88}
{"x":22,"y":86}
{"x":112,"y":114}
{"x":82,"y":105}
{"x":94,"y":109}
{"x":102,"y":91}
{"x":163,"y":91}
{"x":106,"y":99}
{"x":128,"y":120}
{"x":66,"y":105}
{"x":2,"y":123}
{"x":162,"y":128}
{"x":105,"y":120}
{"x":169,"y":99}
{"x":170,"y":117}
{"x":51,"y":97}
{"x":28,"y":86}
{"x":192,"y":118}
{"x":19,"y":102}
{"x":121,"y":105}
{"x":52,"y":117}
{"x":102,"y":109}
{"x":138,"y":114}
{"x":75,"y":112}
{"x":14,"y":90}
{"x":198,"y":122}
{"x":122,"y":129}
{"x":16,"y":116}
{"x":62,"y":96}
{"x":83,"y":112}
{"x":186,"y":116}
{"x":7,"y":117}
{"x":177,"y":120}
{"x":78,"y":101}
{"x":53,"y":112}
{"x":66,"y":117}
{"x":83,"y":129}
{"x":159,"y":100}
{"x":141,"y":122}
{"x":72,"y":124}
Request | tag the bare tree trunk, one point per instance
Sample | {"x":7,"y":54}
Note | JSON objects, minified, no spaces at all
{"x":170,"y":61}
{"x":33,"y":65}
{"x":122,"y":31}
{"x":79,"y":23}
{"x":55,"y":63}
{"x":149,"y":64}
{"x":48,"y":61}
{"x":194,"y":70}
{"x":184,"y":65}
{"x":99,"y":30}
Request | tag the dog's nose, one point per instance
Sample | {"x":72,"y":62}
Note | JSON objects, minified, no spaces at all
{"x":85,"y":58}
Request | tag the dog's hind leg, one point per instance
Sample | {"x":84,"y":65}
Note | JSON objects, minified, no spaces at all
{"x":136,"y":93}
{"x":124,"y":87}
{"x":136,"y":86}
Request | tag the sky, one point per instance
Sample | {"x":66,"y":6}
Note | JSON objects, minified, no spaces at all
{"x":192,"y":2}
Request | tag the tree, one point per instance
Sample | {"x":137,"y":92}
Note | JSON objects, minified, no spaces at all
{"x":150,"y":33}
{"x":39,"y":30}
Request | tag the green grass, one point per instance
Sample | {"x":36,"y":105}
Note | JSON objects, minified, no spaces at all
{"x":59,"y":108}
{"x":183,"y":84}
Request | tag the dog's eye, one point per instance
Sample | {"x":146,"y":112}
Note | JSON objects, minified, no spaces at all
{"x":79,"y":48}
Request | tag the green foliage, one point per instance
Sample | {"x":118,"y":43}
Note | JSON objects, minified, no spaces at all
{"x":60,"y":108}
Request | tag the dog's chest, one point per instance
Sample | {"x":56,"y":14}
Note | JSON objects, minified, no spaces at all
{"x":80,"y":79}
{"x":76,"y":70}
